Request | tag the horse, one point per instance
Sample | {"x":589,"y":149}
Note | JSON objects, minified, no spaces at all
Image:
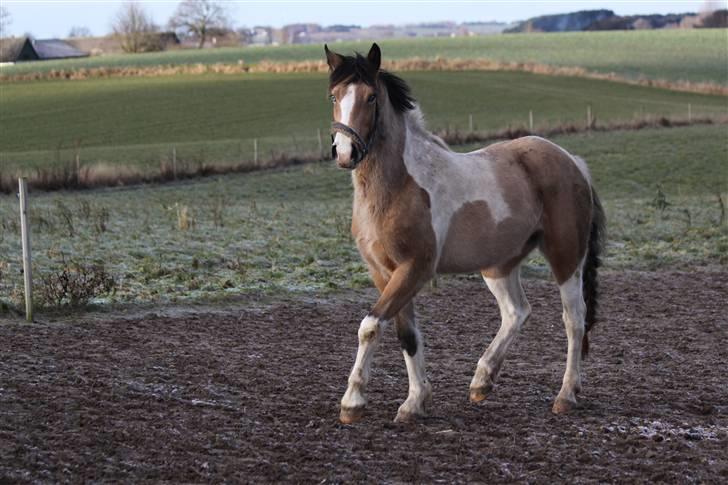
{"x":420,"y":209}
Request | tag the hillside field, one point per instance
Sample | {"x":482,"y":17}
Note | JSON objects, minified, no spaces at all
{"x":287,"y":231}
{"x":211,"y":118}
{"x":697,"y":55}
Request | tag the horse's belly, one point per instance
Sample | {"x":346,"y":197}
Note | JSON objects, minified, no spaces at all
{"x":475,"y":241}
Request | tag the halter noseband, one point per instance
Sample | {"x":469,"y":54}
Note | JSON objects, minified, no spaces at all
{"x":362,"y":146}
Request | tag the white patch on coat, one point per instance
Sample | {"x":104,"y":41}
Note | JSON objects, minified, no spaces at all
{"x":572,"y":299}
{"x":370,"y":331}
{"x":450,"y":179}
{"x":514,"y":310}
{"x":420,"y":390}
{"x":341,"y":141}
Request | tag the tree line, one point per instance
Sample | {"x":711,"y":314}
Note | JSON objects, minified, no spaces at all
{"x":192,"y":18}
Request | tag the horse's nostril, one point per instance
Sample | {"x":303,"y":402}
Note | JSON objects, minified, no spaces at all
{"x":354,"y":154}
{"x":333,"y":152}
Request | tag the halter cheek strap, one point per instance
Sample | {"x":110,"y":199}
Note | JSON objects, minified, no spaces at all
{"x":362,"y":146}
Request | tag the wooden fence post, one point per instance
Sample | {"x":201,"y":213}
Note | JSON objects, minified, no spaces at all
{"x":255,"y":151}
{"x":470,"y":122}
{"x":25,"y":236}
{"x":530,"y":121}
{"x":174,"y":162}
{"x":588,"y":117}
{"x":690,"y":113}
{"x":320,"y":142}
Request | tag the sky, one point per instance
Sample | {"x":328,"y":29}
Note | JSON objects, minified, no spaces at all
{"x":54,"y":18}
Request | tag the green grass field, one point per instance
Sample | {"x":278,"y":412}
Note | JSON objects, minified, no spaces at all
{"x":213,"y":118}
{"x":287,"y":231}
{"x":697,"y":55}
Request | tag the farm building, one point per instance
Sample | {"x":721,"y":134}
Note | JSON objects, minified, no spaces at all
{"x":26,"y":49}
{"x":111,"y":44}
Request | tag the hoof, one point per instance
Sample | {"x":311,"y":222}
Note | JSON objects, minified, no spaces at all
{"x":407,"y":417}
{"x":478,"y":394}
{"x":563,"y":406}
{"x":351,"y":415}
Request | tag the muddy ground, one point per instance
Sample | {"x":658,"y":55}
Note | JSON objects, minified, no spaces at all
{"x":252,"y":394}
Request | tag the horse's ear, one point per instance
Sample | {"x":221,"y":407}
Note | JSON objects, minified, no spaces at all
{"x":332,"y":58}
{"x":375,"y":57}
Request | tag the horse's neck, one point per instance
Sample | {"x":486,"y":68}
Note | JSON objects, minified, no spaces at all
{"x":383,"y":173}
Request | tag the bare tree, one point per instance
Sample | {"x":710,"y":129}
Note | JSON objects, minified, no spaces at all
{"x":5,"y":21}
{"x":79,"y":31}
{"x":198,"y":18}
{"x":133,"y":26}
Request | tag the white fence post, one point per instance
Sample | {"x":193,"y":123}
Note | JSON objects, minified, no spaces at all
{"x":470,"y":123}
{"x":25,"y":236}
{"x":255,"y":151}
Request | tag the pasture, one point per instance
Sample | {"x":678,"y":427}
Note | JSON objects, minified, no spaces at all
{"x":218,"y":119}
{"x":696,"y":55}
{"x":284,"y":231}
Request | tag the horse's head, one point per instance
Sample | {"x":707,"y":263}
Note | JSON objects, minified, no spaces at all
{"x":353,"y":92}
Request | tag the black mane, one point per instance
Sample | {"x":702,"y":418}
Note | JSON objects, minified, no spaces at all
{"x":354,"y":69}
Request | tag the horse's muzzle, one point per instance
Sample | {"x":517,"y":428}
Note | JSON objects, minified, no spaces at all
{"x":354,"y":159}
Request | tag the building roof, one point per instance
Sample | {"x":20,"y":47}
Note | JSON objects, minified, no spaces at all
{"x":14,"y":49}
{"x":56,"y":49}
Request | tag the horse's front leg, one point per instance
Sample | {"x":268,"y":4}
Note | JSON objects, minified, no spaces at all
{"x":413,"y":350}
{"x":404,"y":283}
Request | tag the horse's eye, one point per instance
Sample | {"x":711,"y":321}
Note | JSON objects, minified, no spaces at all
{"x":372,"y":98}
{"x":332,"y":98}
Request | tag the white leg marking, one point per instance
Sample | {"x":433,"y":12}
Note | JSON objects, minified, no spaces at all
{"x":420,"y":390}
{"x":574,"y":313}
{"x":515,"y":310}
{"x":370,"y":332}
{"x":343,"y":142}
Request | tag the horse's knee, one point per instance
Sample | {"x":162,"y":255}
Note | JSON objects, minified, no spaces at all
{"x":369,"y":329}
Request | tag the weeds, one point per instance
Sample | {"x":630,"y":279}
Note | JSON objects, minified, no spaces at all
{"x":65,"y":215}
{"x":218,"y":209}
{"x":185,"y":220}
{"x":75,"y":284}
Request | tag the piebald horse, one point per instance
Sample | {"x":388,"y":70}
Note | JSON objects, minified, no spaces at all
{"x":420,"y":209}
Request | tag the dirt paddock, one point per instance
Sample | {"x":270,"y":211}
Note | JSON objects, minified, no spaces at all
{"x":252,"y":395}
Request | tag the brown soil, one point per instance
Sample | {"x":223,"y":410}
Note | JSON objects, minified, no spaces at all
{"x":253,"y":395}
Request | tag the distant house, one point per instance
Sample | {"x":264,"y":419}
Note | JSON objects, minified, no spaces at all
{"x":112,"y":44}
{"x":18,"y":49}
{"x":56,"y":49}
{"x":15,"y":49}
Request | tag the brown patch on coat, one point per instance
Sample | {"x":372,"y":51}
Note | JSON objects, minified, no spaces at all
{"x":566,"y":200}
{"x":396,"y":240}
{"x":474,"y":241}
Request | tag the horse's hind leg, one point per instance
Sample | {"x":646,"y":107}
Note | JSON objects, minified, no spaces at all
{"x":574,"y":312}
{"x":515,"y":310}
{"x":413,"y":350}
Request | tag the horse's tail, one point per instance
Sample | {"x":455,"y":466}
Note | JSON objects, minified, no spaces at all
{"x":591,"y":265}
